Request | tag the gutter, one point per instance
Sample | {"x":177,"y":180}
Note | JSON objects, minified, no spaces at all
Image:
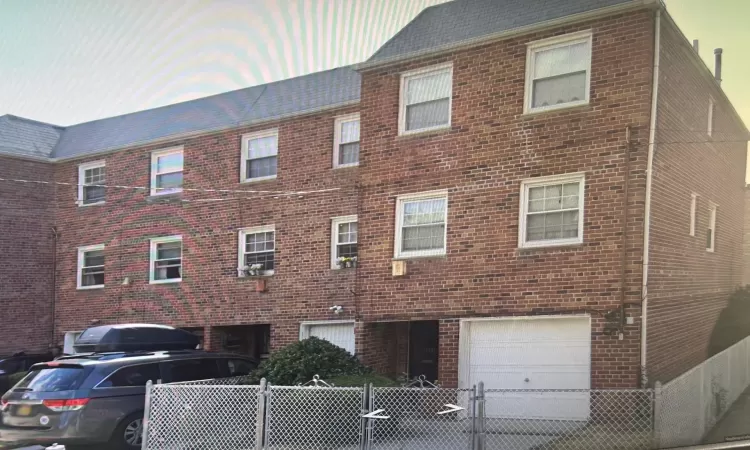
{"x":505,"y":34}
{"x":649,"y":182}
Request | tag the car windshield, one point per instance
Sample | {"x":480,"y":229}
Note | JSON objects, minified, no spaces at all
{"x":51,"y":380}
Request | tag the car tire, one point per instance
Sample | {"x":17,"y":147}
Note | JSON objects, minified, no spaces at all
{"x":124,"y":436}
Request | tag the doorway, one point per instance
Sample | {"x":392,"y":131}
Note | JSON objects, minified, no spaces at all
{"x":423,"y":350}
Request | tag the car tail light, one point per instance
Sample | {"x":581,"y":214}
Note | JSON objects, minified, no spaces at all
{"x":3,"y":404}
{"x":72,"y":404}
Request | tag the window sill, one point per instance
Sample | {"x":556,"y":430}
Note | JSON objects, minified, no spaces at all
{"x":424,"y":133}
{"x":564,"y":108}
{"x":256,"y":180}
{"x":550,"y":246}
{"x":89,"y":288}
{"x":82,"y":205}
{"x":345,"y":166}
{"x":254,"y":277}
{"x":170,"y":281}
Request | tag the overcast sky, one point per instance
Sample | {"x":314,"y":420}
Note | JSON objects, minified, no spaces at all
{"x":70,"y":61}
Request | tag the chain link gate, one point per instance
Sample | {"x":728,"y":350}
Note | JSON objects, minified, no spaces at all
{"x":214,"y":416}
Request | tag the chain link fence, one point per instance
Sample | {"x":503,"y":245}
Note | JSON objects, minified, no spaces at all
{"x":220,"y":416}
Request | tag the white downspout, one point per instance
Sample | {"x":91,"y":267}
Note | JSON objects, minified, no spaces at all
{"x":649,"y":174}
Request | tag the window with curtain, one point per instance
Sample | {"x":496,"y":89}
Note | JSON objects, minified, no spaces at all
{"x":558,"y":73}
{"x":426,"y":99}
{"x":260,"y":155}
{"x":166,"y":259}
{"x":91,"y":267}
{"x":421,"y":225}
{"x":346,"y":150}
{"x":91,"y":178}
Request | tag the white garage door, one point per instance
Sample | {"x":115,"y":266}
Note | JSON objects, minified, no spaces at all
{"x":530,"y":354}
{"x":339,"y":333}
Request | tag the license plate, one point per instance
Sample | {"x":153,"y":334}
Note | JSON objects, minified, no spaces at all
{"x":24,"y":410}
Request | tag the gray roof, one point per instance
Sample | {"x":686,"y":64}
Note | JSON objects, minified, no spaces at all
{"x":462,"y":21}
{"x":29,"y":138}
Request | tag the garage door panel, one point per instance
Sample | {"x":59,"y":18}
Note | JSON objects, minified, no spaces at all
{"x":341,"y":334}
{"x":551,"y":353}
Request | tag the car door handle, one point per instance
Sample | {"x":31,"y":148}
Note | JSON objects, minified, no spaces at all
{"x":526,"y":380}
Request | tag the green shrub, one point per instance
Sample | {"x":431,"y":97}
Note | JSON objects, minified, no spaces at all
{"x":361,"y":380}
{"x":733,"y":323}
{"x":297,"y":363}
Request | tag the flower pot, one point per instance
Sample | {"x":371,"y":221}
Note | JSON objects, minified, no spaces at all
{"x":348,"y":264}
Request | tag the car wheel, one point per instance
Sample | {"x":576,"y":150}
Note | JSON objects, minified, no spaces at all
{"x":129,"y":434}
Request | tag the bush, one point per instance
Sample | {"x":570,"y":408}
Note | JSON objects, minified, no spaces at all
{"x":733,"y":324}
{"x":297,"y":363}
{"x":361,"y":380}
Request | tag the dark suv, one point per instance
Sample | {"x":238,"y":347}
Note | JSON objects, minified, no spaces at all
{"x":99,"y":398}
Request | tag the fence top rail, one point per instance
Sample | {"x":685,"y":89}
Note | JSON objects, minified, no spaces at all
{"x":206,"y":386}
{"x":593,"y":391}
{"x":316,"y":388}
{"x":422,"y":389}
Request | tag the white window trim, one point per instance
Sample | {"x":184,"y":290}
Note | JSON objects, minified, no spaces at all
{"x":155,"y":155}
{"x":79,"y":272}
{"x":82,"y":179}
{"x":526,"y":184}
{"x":241,"y":247}
{"x":546,"y":44}
{"x":400,"y":200}
{"x":402,"y":131}
{"x":693,"y":211}
{"x":335,"y":222}
{"x":245,"y":154}
{"x":712,"y":212}
{"x":152,"y":259}
{"x":337,"y":138}
{"x":710,"y":126}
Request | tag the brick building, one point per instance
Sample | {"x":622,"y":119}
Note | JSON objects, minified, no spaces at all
{"x":521,"y":185}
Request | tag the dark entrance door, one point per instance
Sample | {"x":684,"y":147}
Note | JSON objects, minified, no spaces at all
{"x":423,"y":350}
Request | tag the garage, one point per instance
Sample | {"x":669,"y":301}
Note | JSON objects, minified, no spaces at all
{"x":529,"y":353}
{"x":340,"y":333}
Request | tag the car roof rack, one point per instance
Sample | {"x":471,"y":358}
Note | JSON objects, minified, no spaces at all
{"x":124,"y":354}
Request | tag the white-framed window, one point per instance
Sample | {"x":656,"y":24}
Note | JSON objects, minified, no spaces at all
{"x":551,"y":211}
{"x":346,"y":141}
{"x":426,"y":98}
{"x":91,"y":178}
{"x":343,"y":241}
{"x":260,"y":152}
{"x":257,"y":250}
{"x":91,"y":267}
{"x":710,"y":126}
{"x":166,"y":260}
{"x":711,"y":231}
{"x":558,"y":72}
{"x":166,"y":171}
{"x":693,"y":211}
{"x":421,"y":224}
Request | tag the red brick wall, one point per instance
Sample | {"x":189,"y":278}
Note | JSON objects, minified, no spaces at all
{"x":303,"y":286}
{"x":490,"y":148}
{"x":688,"y":286}
{"x":26,"y":252}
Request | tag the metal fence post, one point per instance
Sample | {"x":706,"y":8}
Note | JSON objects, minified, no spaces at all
{"x":146,"y":414}
{"x":260,"y":422}
{"x":481,"y":436}
{"x":364,"y":436}
{"x":658,"y":407}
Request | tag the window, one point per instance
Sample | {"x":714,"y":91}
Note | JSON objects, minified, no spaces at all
{"x":421,"y":221}
{"x":239,"y":367}
{"x":166,"y":259}
{"x":166,"y":171}
{"x":132,"y":376}
{"x":558,"y":72}
{"x":711,"y":232}
{"x":426,"y":99}
{"x":193,"y":369}
{"x":259,"y":156}
{"x":343,"y":239}
{"x":710,"y":128}
{"x":256,"y":249}
{"x":91,"y":267}
{"x":346,"y":141}
{"x":551,"y":211}
{"x":12,"y":365}
{"x":693,"y":205}
{"x":52,"y":379}
{"x":91,"y":177}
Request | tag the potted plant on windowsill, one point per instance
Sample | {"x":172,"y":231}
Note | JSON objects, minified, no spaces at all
{"x":346,"y":262}
{"x":253,"y":270}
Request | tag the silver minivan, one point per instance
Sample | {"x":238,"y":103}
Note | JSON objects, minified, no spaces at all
{"x":98,"y":399}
